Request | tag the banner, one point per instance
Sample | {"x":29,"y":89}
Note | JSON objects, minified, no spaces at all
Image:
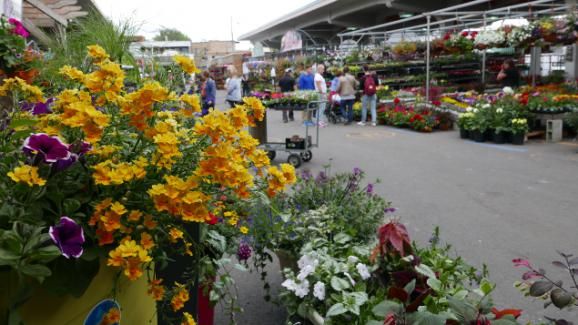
{"x":291,"y":41}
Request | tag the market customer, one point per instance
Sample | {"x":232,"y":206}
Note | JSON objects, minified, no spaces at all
{"x":287,"y":84}
{"x":208,"y":93}
{"x":307,"y":82}
{"x":509,"y":75}
{"x":369,"y":99}
{"x":346,"y":90}
{"x":234,"y":87}
{"x":321,"y":88}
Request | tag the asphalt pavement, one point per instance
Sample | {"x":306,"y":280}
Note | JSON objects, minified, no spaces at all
{"x":493,"y":203}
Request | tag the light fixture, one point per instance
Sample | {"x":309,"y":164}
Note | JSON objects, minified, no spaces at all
{"x":351,"y":28}
{"x":405,"y":15}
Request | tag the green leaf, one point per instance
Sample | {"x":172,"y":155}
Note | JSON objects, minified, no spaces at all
{"x":70,"y":206}
{"x":539,"y":288}
{"x":217,"y":240}
{"x":342,"y":238}
{"x":465,"y":312}
{"x":435,"y":284}
{"x":560,"y":298}
{"x":427,"y":318}
{"x":45,"y":254}
{"x":410,"y":287}
{"x":386,"y":307}
{"x":487,"y":287}
{"x":339,"y":284}
{"x":37,"y":271}
{"x":425,"y":271}
{"x":336,"y":309}
{"x":8,"y":257}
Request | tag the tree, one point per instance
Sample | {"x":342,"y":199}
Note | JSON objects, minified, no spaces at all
{"x":171,"y":34}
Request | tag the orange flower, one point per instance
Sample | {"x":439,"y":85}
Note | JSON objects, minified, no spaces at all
{"x":175,"y":234}
{"x":111,"y":318}
{"x":156,"y":289}
{"x":180,"y":297}
{"x":134,"y":216}
{"x":146,"y":241}
{"x":149,"y":223}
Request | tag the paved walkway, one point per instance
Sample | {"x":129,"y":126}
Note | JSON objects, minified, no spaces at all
{"x":493,"y":203}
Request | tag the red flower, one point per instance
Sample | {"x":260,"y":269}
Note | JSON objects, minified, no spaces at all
{"x":390,"y":319}
{"x":447,"y":36}
{"x":436,"y":103}
{"x":501,"y":313}
{"x":212,"y":219}
{"x":396,"y":101}
{"x":520,"y":262}
{"x":465,"y":34}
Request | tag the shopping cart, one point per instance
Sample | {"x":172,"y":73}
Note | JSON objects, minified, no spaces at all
{"x":299,"y":149}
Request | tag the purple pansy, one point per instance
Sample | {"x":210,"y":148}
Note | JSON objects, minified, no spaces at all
{"x":38,"y":108}
{"x":68,"y":236}
{"x":369,"y":189}
{"x":63,"y":164}
{"x":50,"y":148}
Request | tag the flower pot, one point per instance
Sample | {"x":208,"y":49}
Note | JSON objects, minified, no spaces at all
{"x":206,"y":308}
{"x":287,"y":260}
{"x":499,"y":137}
{"x":44,"y":308}
{"x":446,"y":126}
{"x":518,"y":138}
{"x":464,"y":134}
{"x":478,"y":136}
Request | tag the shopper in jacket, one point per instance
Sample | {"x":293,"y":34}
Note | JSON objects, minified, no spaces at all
{"x":208,"y":93}
{"x":287,"y":84}
{"x":234,"y":88}
{"x":306,"y":80}
{"x":346,"y":89}
{"x":368,"y":85}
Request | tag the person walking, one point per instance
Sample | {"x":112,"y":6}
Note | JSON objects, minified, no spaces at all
{"x":509,"y":75}
{"x":369,"y":99}
{"x":346,"y":90}
{"x":287,"y":84}
{"x":321,"y":88}
{"x":307,"y":82}
{"x":234,"y":87}
{"x":208,"y":93}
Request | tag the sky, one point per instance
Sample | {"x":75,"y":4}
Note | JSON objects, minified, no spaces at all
{"x":199,"y":19}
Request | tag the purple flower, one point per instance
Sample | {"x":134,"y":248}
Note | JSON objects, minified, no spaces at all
{"x":357,"y":171}
{"x":369,"y":189}
{"x":244,"y":252}
{"x":38,"y":108}
{"x":68,"y":236}
{"x":51,"y":149}
{"x":306,"y":175}
{"x":63,"y":164}
{"x":321,"y":178}
{"x":18,"y":28}
{"x":390,"y":210}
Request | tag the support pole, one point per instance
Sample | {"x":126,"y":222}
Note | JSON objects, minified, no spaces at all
{"x":484,"y":58}
{"x":427,"y":60}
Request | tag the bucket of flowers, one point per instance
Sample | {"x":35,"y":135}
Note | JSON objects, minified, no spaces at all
{"x":110,"y":181}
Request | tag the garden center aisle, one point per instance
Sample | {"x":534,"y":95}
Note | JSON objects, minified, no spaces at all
{"x":492,"y":203}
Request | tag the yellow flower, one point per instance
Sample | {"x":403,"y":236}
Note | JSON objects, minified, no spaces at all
{"x":175,"y":234}
{"x":26,"y":174}
{"x":193,"y":102}
{"x":72,"y":73}
{"x":180,"y":297}
{"x":97,"y":52}
{"x":188,"y":319}
{"x":29,"y":92}
{"x":244,"y":230}
{"x":187,"y":64}
{"x":256,"y":107}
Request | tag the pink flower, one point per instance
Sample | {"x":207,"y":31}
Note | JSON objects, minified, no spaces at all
{"x":520,"y":262}
{"x":530,"y":275}
{"x":18,"y":28}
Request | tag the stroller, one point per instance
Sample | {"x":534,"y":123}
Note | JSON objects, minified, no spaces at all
{"x":333,"y":112}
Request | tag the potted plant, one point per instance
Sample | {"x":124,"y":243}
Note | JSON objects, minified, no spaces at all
{"x":465,"y":123}
{"x":480,"y":125}
{"x":519,"y":128}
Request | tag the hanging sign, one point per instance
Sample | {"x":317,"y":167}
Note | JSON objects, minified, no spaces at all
{"x":11,"y":8}
{"x":291,"y":41}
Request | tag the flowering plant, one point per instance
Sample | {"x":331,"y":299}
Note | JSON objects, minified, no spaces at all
{"x":519,"y":126}
{"x":12,"y":43}
{"x":127,"y":178}
{"x":490,"y":38}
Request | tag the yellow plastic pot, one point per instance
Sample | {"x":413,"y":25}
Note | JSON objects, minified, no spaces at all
{"x":137,"y":307}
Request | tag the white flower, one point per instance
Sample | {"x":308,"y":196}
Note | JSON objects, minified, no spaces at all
{"x":352,"y":259}
{"x":476,"y":110}
{"x":363,"y":271}
{"x":308,"y":269}
{"x":469,"y":109}
{"x":508,"y":90}
{"x":302,"y":289}
{"x":319,"y":290}
{"x":490,"y":37}
{"x":307,"y":259}
{"x":350,"y":278}
{"x":499,"y":110}
{"x":289,"y":285}
{"x":486,"y":106}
